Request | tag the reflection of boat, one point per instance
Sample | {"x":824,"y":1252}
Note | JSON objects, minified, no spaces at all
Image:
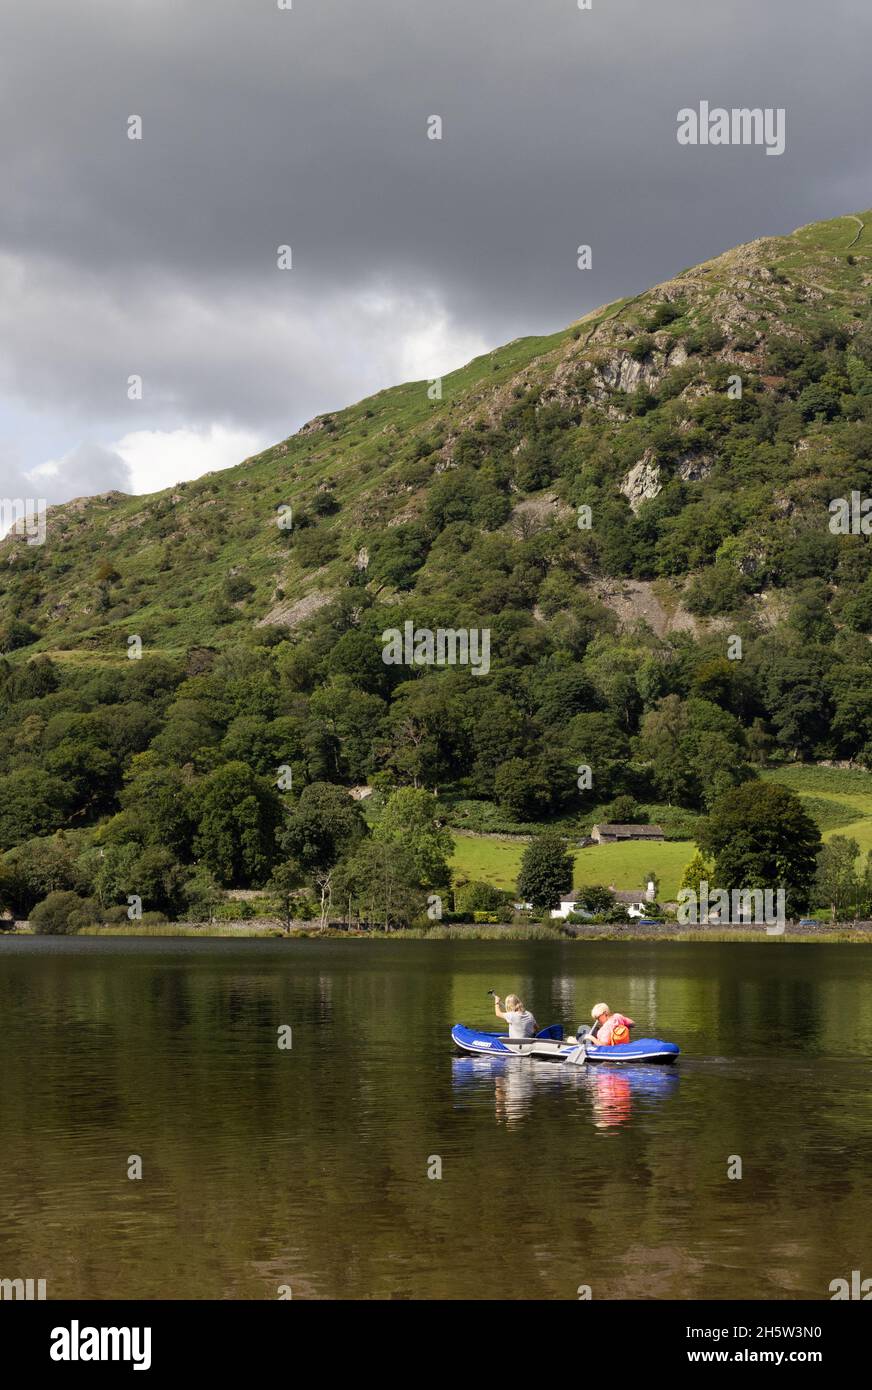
{"x":547,"y":1045}
{"x":641,"y":1050}
{"x":472,"y":1071}
{"x":614,"y":1092}
{"x":514,"y":1089}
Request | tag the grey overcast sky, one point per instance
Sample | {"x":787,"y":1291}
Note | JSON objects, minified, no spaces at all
{"x":309,"y":127}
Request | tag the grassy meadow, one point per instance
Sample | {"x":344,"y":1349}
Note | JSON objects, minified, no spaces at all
{"x":838,"y":799}
{"x":625,"y":866}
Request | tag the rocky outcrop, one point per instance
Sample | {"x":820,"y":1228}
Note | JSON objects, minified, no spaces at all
{"x":642,"y":482}
{"x":290,"y":613}
{"x":534,"y":513}
{"x":622,"y":372}
{"x":692,"y":468}
{"x":645,"y":479}
{"x":637,"y":600}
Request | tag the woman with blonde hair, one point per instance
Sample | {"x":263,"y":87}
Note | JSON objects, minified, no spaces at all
{"x":521,"y":1022}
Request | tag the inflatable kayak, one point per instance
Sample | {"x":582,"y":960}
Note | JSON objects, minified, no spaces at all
{"x":548,"y":1045}
{"x":623,"y":1054}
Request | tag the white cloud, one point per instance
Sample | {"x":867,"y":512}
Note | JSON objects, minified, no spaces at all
{"x":413,"y":331}
{"x":257,"y":358}
{"x":141,"y":462}
{"x":226,"y":370}
{"x":160,"y":458}
{"x":87,"y":469}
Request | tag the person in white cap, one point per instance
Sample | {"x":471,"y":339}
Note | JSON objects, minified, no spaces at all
{"x":610,"y":1029}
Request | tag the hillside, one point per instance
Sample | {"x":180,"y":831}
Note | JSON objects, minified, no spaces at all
{"x":706,"y":424}
{"x":626,"y":405}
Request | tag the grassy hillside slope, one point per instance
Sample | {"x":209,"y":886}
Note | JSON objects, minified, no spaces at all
{"x":558,"y":420}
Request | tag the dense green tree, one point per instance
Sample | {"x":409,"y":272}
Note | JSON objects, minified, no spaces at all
{"x":795,"y":692}
{"x":346,"y":724}
{"x":202,"y":893}
{"x":480,"y":897}
{"x":546,"y":871}
{"x":380,"y":884}
{"x":427,"y":737}
{"x":284,"y":886}
{"x":837,"y":880}
{"x":37,"y":678}
{"x":161,"y":803}
{"x":560,"y":694}
{"x":624,"y":810}
{"x":358,"y":655}
{"x":761,"y":837}
{"x":522,"y":788}
{"x":36,"y":868}
{"x":89,"y":772}
{"x":32,"y":802}
{"x":153,"y":875}
{"x":662,"y":744}
{"x":398,"y":553}
{"x":253,"y":739}
{"x":62,"y":913}
{"x":498,"y":732}
{"x":15,"y":634}
{"x":237,"y":818}
{"x":410,"y":819}
{"x":594,"y":740}
{"x":597,"y":899}
{"x":325,"y":824}
{"x":697,"y":870}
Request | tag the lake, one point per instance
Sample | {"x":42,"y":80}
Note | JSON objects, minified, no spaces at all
{"x":306,"y":1168}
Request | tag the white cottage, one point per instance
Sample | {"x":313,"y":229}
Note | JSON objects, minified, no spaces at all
{"x":636,"y":902}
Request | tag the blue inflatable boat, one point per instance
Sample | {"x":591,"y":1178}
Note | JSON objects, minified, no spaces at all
{"x":549,"y":1045}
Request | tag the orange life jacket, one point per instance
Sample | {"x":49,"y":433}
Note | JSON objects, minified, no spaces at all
{"x":620,"y":1031}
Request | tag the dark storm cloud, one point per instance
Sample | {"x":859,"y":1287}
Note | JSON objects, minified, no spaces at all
{"x":308,"y":126}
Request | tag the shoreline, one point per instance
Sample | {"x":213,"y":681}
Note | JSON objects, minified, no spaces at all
{"x":270,"y":930}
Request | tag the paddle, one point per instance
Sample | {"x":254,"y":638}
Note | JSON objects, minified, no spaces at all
{"x":584,"y":1042}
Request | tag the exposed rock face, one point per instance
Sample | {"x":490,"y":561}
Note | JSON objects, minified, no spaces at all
{"x":751,"y":563}
{"x":642,"y":481}
{"x":533,"y":513}
{"x":320,"y":422}
{"x":691,"y":468}
{"x":637,"y":600}
{"x":623,"y":373}
{"x":410,"y":512}
{"x":290,"y":612}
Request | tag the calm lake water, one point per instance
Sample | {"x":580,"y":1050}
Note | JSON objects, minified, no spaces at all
{"x":309,"y":1167}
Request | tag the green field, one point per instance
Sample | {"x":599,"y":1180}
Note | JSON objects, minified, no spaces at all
{"x":839,"y":799}
{"x":625,"y":866}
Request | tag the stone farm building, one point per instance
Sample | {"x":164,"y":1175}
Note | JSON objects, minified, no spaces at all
{"x":611,"y":834}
